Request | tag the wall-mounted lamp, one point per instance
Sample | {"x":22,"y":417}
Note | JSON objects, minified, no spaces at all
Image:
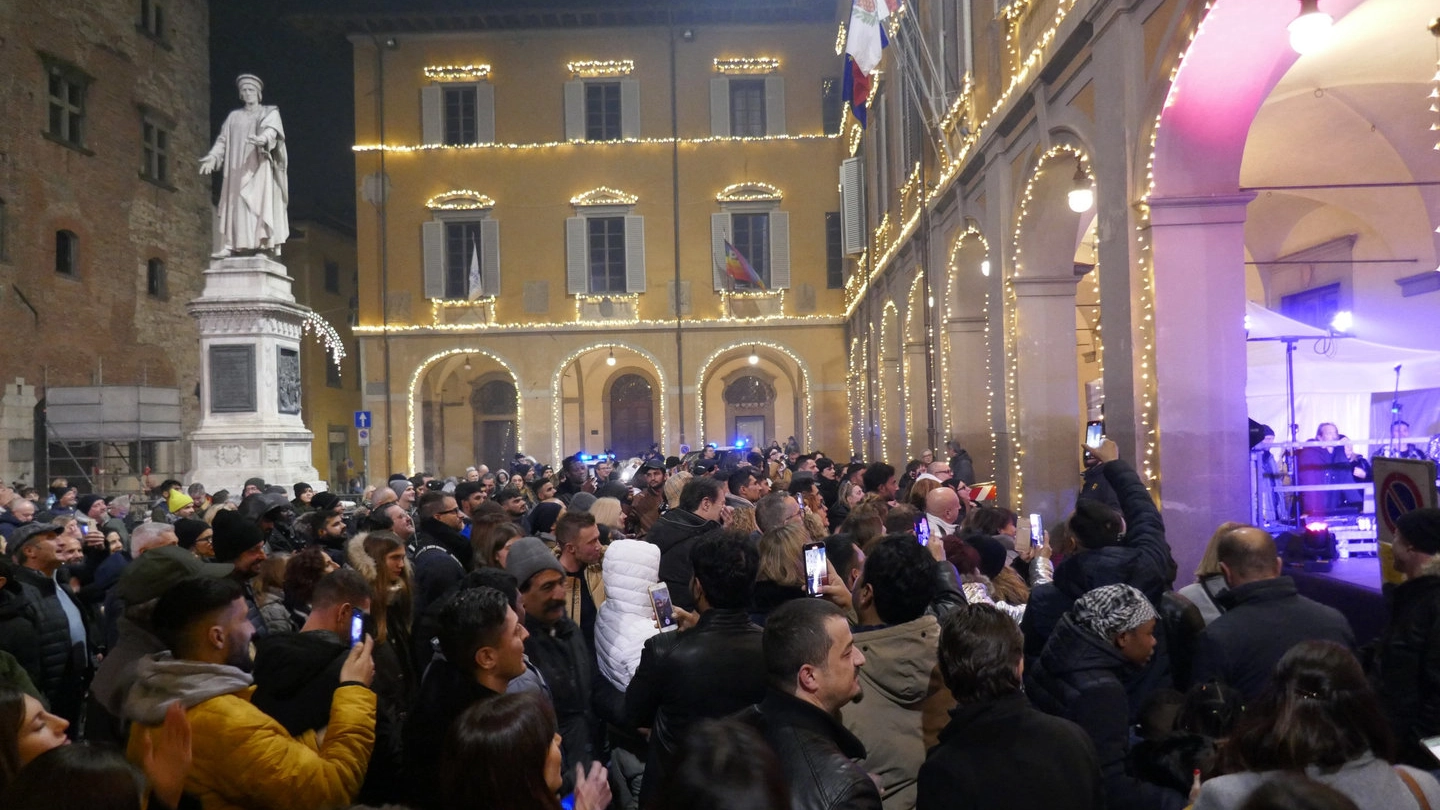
{"x":754,"y":358}
{"x":467,"y":362}
{"x":985,"y":268}
{"x":610,"y":361}
{"x":1082,"y":193}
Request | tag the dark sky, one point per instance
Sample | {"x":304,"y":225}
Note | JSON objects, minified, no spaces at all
{"x":308,"y":75}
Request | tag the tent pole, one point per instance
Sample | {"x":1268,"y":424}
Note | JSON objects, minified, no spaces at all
{"x":1291,"y":457}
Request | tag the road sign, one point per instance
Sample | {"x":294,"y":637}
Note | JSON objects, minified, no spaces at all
{"x":363,"y":434}
{"x":362,"y":419}
{"x":1401,"y":485}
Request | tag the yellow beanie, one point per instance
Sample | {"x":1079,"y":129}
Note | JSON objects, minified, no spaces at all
{"x":177,"y":501}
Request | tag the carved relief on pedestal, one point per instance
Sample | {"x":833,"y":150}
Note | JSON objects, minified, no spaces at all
{"x":229,"y":455}
{"x":272,"y":453}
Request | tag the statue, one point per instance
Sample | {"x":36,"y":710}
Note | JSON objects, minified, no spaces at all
{"x":251,"y":152}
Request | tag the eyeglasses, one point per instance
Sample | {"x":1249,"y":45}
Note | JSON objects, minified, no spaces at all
{"x":447,"y":511}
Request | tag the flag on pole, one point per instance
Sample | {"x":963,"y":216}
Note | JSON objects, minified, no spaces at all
{"x":865,"y":41}
{"x":738,"y":268}
{"x":476,"y":289}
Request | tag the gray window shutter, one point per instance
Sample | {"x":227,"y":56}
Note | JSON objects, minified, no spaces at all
{"x":629,"y":108}
{"x":779,"y":250}
{"x":852,"y":208}
{"x":432,"y":237}
{"x":634,"y":254}
{"x":774,"y":105}
{"x":719,"y":232}
{"x":484,"y":113}
{"x":720,"y":108}
{"x":490,"y":256}
{"x":575,"y":111}
{"x":432,"y":113}
{"x":577,"y":281}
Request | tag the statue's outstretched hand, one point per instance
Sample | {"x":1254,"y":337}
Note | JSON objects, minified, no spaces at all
{"x":208,"y":164}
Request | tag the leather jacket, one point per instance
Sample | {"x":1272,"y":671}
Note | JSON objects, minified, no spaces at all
{"x":816,"y":753}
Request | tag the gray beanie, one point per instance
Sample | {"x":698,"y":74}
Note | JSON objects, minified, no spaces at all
{"x":399,"y":485}
{"x":1114,"y":609}
{"x":580,"y":502}
{"x":528,"y":557}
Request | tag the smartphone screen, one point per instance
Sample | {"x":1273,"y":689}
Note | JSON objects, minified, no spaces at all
{"x":922,"y":530}
{"x":814,"y":568}
{"x":1094,"y":434}
{"x":800,"y":502}
{"x":357,"y":626}
{"x":1037,"y":530}
{"x":660,"y":603}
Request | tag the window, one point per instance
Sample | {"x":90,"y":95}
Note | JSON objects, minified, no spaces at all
{"x":460,"y":115}
{"x":462,"y":254}
{"x":834,"y":253}
{"x":747,"y":108}
{"x":67,"y":253}
{"x":155,"y":282}
{"x":1315,"y":307}
{"x":65,"y":89}
{"x":832,"y":109}
{"x":332,"y":276}
{"x":751,"y":236}
{"x":606,"y":251}
{"x":152,"y":19}
{"x":155,"y":150}
{"x":602,"y":111}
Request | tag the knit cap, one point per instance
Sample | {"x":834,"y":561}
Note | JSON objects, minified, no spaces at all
{"x":1114,"y":609}
{"x":177,"y":501}
{"x":528,"y":557}
{"x":1421,"y":529}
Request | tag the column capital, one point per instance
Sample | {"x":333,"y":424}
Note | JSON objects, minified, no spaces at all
{"x":1220,"y":209}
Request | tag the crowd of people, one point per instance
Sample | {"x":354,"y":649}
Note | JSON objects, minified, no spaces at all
{"x":768,"y":630}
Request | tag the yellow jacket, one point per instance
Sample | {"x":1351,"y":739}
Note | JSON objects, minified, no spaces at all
{"x":244,"y":760}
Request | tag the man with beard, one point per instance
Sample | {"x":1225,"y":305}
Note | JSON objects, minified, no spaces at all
{"x":241,"y":757}
{"x":645,"y":508}
{"x":574,"y":479}
{"x":444,"y":554}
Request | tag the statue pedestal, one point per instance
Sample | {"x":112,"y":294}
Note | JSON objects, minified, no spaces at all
{"x":250,"y":425}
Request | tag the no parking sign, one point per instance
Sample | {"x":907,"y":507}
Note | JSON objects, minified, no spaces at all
{"x":1401,"y":485}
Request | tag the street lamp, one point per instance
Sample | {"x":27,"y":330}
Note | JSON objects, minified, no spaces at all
{"x":1082,"y":195}
{"x":610,"y":361}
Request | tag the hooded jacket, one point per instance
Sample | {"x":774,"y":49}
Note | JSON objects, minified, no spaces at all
{"x":242,"y":758}
{"x":904,"y":704}
{"x":295,"y":675}
{"x":675,"y":533}
{"x":9,"y":523}
{"x":441,"y":560}
{"x":1407,"y":671}
{"x":1081,"y":677}
{"x":816,"y":753}
{"x":626,"y":618}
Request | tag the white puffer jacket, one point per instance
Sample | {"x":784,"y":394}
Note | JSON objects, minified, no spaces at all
{"x":626,"y":619}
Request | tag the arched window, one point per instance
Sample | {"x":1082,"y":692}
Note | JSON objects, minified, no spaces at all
{"x":751,"y":392}
{"x":67,"y":253}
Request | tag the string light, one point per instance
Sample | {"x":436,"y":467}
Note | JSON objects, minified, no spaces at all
{"x":457,"y":73}
{"x":840,"y":49}
{"x":855,"y":392}
{"x":597,"y":324}
{"x":402,"y":149}
{"x":743,"y":65}
{"x":557,"y":437}
{"x":326,"y":335}
{"x":410,"y":401}
{"x":443,"y":311}
{"x":598,"y":68}
{"x":629,"y":304}
{"x":604,"y":195}
{"x":459,"y":200}
{"x":799,"y":363}
{"x":888,"y":320}
{"x":952,"y":295}
{"x":749,"y":192}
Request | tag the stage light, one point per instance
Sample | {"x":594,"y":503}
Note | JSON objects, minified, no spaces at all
{"x":1342,"y":321}
{"x":1310,"y":31}
{"x":1316,"y":526}
{"x":1082,"y":195}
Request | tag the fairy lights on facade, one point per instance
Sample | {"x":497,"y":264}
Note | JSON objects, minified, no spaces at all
{"x":326,"y":335}
{"x":746,"y":346}
{"x":403,"y":149}
{"x":600,"y":68}
{"x":604,"y":195}
{"x":412,"y":404}
{"x":952,"y":294}
{"x":889,"y":319}
{"x":840,"y":39}
{"x":747,"y":65}
{"x":457,"y":73}
{"x":459,"y":200}
{"x":557,"y":437}
{"x":749,"y":192}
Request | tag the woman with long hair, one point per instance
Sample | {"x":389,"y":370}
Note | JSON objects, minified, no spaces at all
{"x":609,"y":512}
{"x":504,"y":753}
{"x":380,"y":557}
{"x":1320,"y":717}
{"x":269,"y":589}
{"x":490,"y":535}
{"x":781,"y":576}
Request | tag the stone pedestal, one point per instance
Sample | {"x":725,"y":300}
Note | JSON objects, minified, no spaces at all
{"x":250,"y":424}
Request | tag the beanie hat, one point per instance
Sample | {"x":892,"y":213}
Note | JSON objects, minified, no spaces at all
{"x":188,"y":531}
{"x":258,"y":483}
{"x":1421,"y":529}
{"x":581,"y":502}
{"x":83,"y":505}
{"x":325,"y":501}
{"x":300,"y":488}
{"x":234,"y":535}
{"x":399,"y":485}
{"x":1114,"y":609}
{"x":528,"y":557}
{"x":465,"y":489}
{"x":612,"y":489}
{"x":177,"y":501}
{"x":155,"y":571}
{"x":992,"y":553}
{"x":543,"y":517}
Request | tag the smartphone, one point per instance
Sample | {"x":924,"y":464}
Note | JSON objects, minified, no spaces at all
{"x":815,"y":571}
{"x":660,"y":603}
{"x":84,"y":529}
{"x":1432,"y":743}
{"x":800,"y":501}
{"x":1037,"y":530}
{"x":922,"y":530}
{"x":357,"y":626}
{"x":1094,"y":434}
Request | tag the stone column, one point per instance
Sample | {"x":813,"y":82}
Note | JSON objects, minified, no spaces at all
{"x":969,"y":367}
{"x":1049,"y":406}
{"x":917,"y":400}
{"x":250,"y":421}
{"x":1200,"y":365}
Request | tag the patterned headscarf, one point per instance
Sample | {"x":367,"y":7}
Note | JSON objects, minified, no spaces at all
{"x":1114,"y":609}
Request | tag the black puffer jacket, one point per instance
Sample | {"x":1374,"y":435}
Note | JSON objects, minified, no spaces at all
{"x":19,"y":635}
{"x":816,"y":753}
{"x":712,"y":670}
{"x":296,"y":675}
{"x":443,"y":556}
{"x":8,"y":524}
{"x":560,"y":653}
{"x":1081,"y":677}
{"x":1407,"y":666}
{"x":675,"y":533}
{"x":64,"y":668}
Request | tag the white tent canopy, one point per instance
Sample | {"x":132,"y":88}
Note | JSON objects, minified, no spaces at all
{"x":1334,"y":378}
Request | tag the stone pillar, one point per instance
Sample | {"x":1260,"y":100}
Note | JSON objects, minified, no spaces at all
{"x":1049,"y":406}
{"x":969,"y":367}
{"x":917,"y":400}
{"x":1200,"y":365}
{"x":250,"y":422}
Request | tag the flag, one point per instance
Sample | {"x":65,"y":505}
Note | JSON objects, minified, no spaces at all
{"x":738,"y":268}
{"x":865,"y":41}
{"x":476,"y":288}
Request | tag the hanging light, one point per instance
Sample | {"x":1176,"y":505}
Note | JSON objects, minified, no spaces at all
{"x":985,"y":268}
{"x":1082,"y":195}
{"x":754,"y":358}
{"x":467,"y":362}
{"x":1311,"y":30}
{"x":610,"y":361}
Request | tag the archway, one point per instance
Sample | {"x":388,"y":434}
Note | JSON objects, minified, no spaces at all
{"x":493,"y":403}
{"x":445,"y":430}
{"x":584,"y":389}
{"x":721,"y":379}
{"x":967,"y":412}
{"x":917,"y":393}
{"x":750,"y":409}
{"x":890,"y":417}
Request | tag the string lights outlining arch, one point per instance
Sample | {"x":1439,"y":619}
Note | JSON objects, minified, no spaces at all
{"x":888,"y":319}
{"x":746,"y":346}
{"x":913,"y":311}
{"x":951,"y":293}
{"x":557,"y":438}
{"x":411,"y":406}
{"x":856,"y":389}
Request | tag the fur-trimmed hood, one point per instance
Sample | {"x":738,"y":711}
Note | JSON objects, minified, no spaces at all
{"x":361,"y":562}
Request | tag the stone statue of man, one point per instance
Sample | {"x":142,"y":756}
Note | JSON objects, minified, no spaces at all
{"x":250,"y":151}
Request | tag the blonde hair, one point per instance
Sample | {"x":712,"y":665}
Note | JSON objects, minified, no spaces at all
{"x":1210,"y":563}
{"x":744,"y":521}
{"x":607,"y":511}
{"x":673,"y":485}
{"x":814,"y":526}
{"x":272,"y":571}
{"x":781,"y":550}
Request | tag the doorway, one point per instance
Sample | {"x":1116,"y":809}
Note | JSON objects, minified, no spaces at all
{"x":632,"y":416}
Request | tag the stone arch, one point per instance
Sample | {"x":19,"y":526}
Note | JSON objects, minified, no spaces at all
{"x":448,"y":363}
{"x":792,"y":379}
{"x":889,"y":416}
{"x":579,"y":391}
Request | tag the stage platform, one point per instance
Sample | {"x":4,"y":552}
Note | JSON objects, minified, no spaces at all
{"x":1351,"y":586}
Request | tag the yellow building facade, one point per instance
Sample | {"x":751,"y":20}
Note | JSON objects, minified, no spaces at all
{"x":533,"y":204}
